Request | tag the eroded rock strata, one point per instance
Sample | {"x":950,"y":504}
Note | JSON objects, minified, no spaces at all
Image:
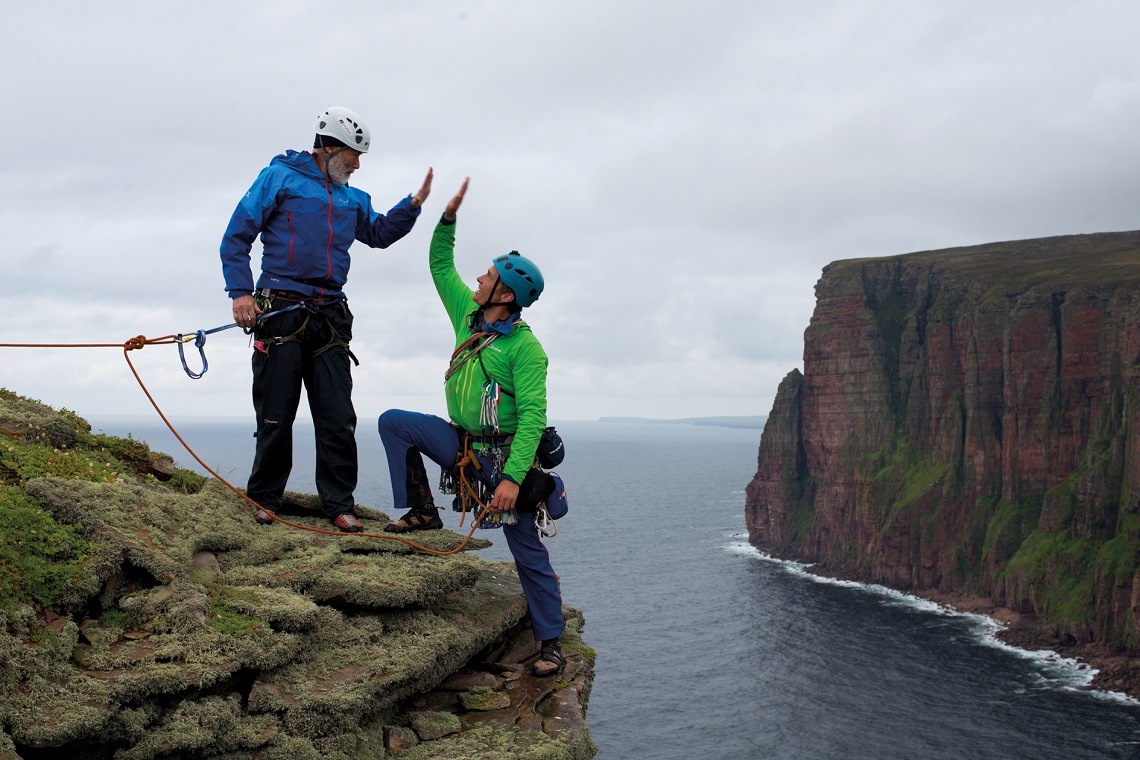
{"x":143,"y":614}
{"x":966,"y":425}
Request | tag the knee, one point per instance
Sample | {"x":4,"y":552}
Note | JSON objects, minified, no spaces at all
{"x":391,"y":421}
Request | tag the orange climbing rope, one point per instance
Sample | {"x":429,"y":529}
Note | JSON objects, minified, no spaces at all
{"x":140,"y":341}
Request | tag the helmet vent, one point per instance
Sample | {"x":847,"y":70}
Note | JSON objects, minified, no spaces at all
{"x":344,"y":126}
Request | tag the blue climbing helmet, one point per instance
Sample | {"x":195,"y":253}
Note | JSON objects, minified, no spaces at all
{"x":521,"y":275}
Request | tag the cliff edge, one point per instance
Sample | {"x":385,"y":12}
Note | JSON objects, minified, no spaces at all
{"x":143,"y":614}
{"x":966,"y":426}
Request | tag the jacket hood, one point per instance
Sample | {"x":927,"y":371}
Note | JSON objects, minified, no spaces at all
{"x":299,"y":161}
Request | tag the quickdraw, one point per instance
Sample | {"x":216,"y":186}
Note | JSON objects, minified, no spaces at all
{"x":199,"y":339}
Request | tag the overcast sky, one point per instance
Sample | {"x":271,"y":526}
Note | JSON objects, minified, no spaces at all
{"x":681,"y":171}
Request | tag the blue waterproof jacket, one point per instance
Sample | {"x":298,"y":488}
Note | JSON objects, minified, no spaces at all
{"x":306,"y":226}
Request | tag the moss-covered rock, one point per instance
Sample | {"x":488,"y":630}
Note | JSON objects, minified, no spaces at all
{"x":25,"y":420}
{"x":492,"y":742}
{"x":7,"y":748}
{"x":146,"y":615}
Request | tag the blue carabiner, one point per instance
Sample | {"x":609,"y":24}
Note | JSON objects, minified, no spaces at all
{"x":200,"y":342}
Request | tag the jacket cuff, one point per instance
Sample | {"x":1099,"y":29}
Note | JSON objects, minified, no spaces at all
{"x":415,"y":210}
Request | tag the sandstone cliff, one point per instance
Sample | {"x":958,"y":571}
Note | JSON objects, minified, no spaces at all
{"x":143,"y":614}
{"x":967,"y":422}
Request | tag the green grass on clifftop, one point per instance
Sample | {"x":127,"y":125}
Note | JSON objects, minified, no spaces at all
{"x":1067,"y":261}
{"x":39,"y":556}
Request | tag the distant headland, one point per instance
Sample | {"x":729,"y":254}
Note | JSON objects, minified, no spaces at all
{"x":755,"y":422}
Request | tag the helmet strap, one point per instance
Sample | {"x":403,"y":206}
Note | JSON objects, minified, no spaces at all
{"x":329,"y":157}
{"x":491,"y":295}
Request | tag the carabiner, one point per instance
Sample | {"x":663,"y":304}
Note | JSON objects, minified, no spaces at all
{"x":545,"y":525}
{"x":200,"y":342}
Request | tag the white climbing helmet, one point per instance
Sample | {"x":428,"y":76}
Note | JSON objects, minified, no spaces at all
{"x":344,"y":125}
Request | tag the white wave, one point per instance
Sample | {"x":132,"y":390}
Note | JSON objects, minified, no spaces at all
{"x":1056,"y":671}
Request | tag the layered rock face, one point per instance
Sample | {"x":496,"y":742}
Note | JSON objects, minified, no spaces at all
{"x":966,"y":420}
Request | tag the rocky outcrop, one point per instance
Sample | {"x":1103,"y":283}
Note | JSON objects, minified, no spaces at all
{"x":143,"y":614}
{"x":967,"y":422}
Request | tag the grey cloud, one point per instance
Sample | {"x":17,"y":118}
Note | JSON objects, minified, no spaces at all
{"x":682,"y":172}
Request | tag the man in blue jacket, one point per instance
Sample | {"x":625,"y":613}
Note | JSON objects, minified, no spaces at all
{"x":307,"y":216}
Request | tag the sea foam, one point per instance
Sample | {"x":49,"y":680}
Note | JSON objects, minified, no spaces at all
{"x":1054,"y":670}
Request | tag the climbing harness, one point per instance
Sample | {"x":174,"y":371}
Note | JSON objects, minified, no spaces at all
{"x":312,"y":307}
{"x":480,"y":492}
{"x":470,"y":494}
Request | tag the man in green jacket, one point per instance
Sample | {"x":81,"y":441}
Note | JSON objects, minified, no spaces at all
{"x":496,"y":399}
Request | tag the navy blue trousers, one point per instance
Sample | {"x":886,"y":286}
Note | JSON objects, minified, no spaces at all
{"x":434,"y":436}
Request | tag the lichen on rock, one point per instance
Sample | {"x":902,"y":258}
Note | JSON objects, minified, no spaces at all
{"x":146,"y":615}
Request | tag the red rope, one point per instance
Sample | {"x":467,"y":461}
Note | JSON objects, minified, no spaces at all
{"x":140,"y":341}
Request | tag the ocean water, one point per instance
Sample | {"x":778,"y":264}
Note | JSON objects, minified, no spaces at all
{"x":709,"y":649}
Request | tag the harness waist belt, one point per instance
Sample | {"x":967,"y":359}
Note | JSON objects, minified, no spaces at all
{"x":289,"y":295}
{"x":481,"y":442}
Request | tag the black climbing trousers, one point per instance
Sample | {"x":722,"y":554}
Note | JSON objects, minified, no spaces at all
{"x":279,"y":371}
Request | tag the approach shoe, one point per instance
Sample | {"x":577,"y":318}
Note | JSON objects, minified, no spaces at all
{"x":264,"y":516}
{"x":417,"y":518}
{"x":348,"y":523}
{"x":549,"y":662}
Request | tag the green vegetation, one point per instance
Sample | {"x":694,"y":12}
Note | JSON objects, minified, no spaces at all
{"x":802,"y":514}
{"x":1056,"y":566}
{"x":891,"y":316}
{"x":1015,"y":267}
{"x":572,"y":637}
{"x":225,"y":618}
{"x":900,"y":476}
{"x":39,"y":557}
{"x":23,"y":462}
{"x":116,"y":618}
{"x":1007,"y":529}
{"x":42,"y":559}
{"x":802,"y":517}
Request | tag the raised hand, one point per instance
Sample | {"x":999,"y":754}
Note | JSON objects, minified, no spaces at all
{"x":421,"y":196}
{"x":453,"y":204}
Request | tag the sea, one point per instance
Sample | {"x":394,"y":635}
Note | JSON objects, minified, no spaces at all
{"x":708,"y":648}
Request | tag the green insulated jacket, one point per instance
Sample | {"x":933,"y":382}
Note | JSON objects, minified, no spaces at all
{"x":516,"y":362}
